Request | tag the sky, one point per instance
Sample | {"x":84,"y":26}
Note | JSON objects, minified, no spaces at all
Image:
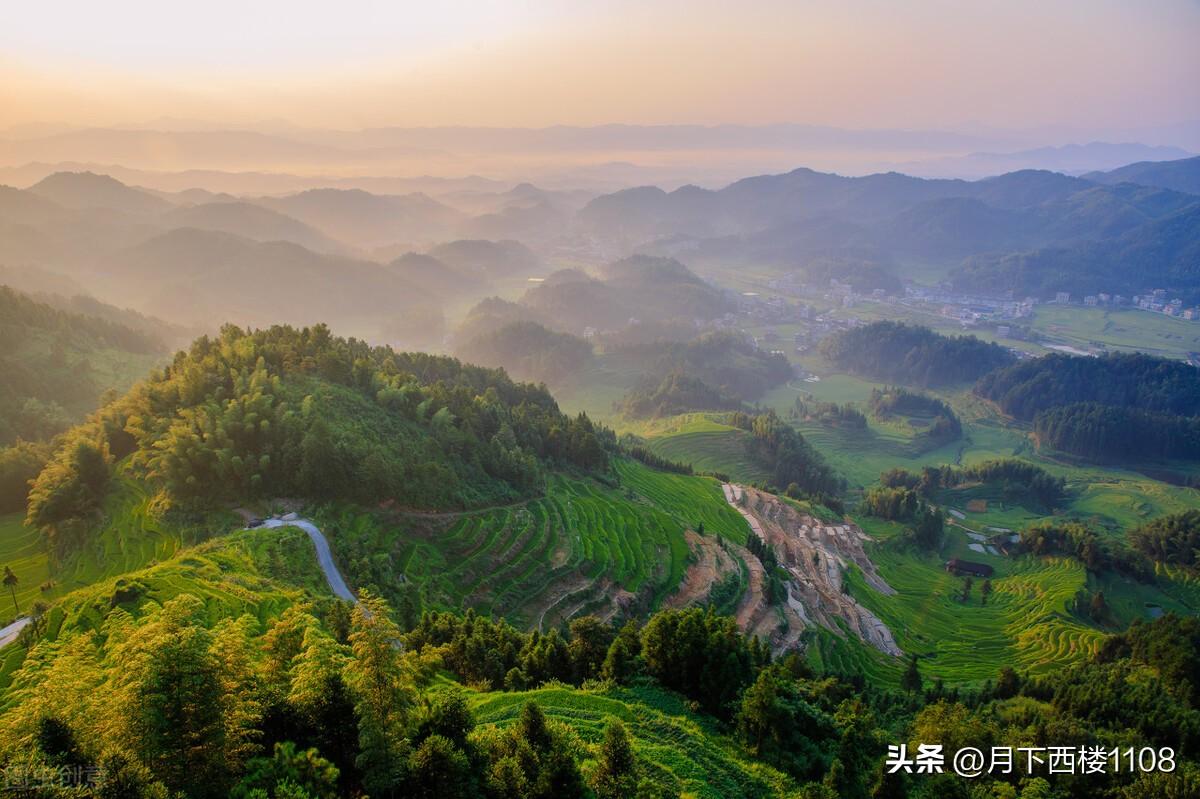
{"x":931,"y":64}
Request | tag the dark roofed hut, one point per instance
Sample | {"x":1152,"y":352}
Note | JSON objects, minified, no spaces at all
{"x":956,"y":566}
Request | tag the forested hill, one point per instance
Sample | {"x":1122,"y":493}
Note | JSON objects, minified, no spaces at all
{"x":911,"y":354}
{"x":1126,"y":406}
{"x":1133,"y":380}
{"x":300,"y":412}
{"x":56,"y":364}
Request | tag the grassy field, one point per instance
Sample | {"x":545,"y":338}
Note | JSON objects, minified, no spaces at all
{"x":1027,"y":623}
{"x":259,"y":572}
{"x":682,"y":751}
{"x":1089,"y":328}
{"x":1114,"y":499}
{"x":23,"y":550}
{"x":570,"y":552}
{"x":130,"y":536}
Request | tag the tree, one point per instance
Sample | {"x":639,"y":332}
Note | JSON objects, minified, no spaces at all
{"x":911,"y":680}
{"x":1098,"y":608}
{"x":616,"y":774}
{"x":966,"y":589}
{"x":449,"y":716}
{"x":122,"y":777}
{"x":176,"y":706}
{"x":438,"y":769}
{"x":382,"y":697}
{"x":56,"y":740}
{"x":779,"y":725}
{"x":306,"y":770}
{"x":700,"y":654}
{"x":618,"y":662}
{"x":11,"y":580}
{"x":590,"y":641}
{"x":985,"y":591}
{"x":1008,"y":684}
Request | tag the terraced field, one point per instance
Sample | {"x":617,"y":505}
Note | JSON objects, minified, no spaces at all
{"x":721,"y":451}
{"x":259,"y":572}
{"x":1027,"y":622}
{"x":129,"y":538}
{"x":682,"y":752}
{"x":21,"y":549}
{"x":582,"y":548}
{"x":690,"y":500}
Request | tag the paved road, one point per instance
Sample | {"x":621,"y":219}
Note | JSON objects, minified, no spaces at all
{"x":324,"y":554}
{"x":324,"y":559}
{"x":9,"y":634}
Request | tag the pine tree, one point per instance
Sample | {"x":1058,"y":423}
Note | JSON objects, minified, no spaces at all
{"x":911,"y":681}
{"x":616,"y":775}
{"x":382,"y":696}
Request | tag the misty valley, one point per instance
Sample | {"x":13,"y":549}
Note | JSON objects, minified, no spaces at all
{"x":615,"y":461}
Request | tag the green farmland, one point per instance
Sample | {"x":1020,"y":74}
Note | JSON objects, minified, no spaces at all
{"x":682,"y":750}
{"x":549,"y":559}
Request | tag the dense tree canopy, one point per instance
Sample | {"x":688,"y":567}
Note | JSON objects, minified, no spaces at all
{"x":911,"y":354}
{"x":788,"y":456}
{"x":1173,"y":540}
{"x":529,"y":351}
{"x":1118,"y":406}
{"x":1124,"y":380}
{"x":46,"y":357}
{"x":287,"y":412}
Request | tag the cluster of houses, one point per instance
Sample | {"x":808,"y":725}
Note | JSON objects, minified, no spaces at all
{"x":1155,"y":301}
{"x":770,"y":310}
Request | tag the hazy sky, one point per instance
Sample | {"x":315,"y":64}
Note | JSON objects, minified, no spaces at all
{"x":356,"y":63}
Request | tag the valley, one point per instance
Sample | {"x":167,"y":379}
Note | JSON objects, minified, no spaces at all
{"x":652,"y":463}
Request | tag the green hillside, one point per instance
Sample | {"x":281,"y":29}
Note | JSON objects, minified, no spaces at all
{"x":515,"y":565}
{"x":56,"y":365}
{"x":686,"y":754}
{"x":584,"y":547}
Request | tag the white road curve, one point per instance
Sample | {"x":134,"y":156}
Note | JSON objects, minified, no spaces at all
{"x":324,"y":554}
{"x":337,"y":583}
{"x":9,"y":634}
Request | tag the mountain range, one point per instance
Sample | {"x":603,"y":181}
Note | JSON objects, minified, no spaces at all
{"x":344,"y":254}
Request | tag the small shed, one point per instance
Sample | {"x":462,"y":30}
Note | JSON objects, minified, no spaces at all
{"x":958,"y":566}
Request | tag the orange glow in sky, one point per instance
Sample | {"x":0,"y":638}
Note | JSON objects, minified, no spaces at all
{"x":865,"y":63}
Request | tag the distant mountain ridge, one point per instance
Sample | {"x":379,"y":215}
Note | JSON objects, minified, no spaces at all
{"x":1182,"y":175}
{"x":1050,"y":223}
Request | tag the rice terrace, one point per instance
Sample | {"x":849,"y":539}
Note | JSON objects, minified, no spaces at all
{"x":619,"y":400}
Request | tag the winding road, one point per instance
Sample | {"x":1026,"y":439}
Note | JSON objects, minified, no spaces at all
{"x":337,"y":583}
{"x":9,"y":634}
{"x":324,"y":555}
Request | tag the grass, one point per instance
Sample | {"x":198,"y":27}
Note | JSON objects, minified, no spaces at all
{"x":573,"y":551}
{"x":682,"y":750}
{"x":23,"y":550}
{"x":1131,"y":329}
{"x":129,"y":536}
{"x":722,"y":451}
{"x":690,"y":500}
{"x":258,"y":572}
{"x":1027,"y":622}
